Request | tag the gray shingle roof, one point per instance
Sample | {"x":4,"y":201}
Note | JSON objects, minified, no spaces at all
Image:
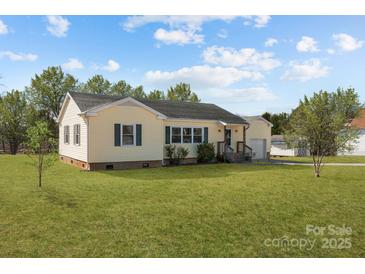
{"x":171,"y":109}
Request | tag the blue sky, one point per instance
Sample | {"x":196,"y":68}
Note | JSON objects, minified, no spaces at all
{"x":245,"y":64}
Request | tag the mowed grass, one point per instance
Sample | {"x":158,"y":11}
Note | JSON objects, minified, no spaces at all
{"x":220,"y":210}
{"x":329,"y":159}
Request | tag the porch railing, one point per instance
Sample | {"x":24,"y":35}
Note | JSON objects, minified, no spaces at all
{"x":245,"y":149}
{"x":243,"y":152}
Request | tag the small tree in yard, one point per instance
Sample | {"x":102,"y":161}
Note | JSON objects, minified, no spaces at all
{"x":322,"y":124}
{"x":40,"y":144}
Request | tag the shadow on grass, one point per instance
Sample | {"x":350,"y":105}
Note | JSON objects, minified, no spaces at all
{"x":194,"y":172}
{"x":58,"y":198}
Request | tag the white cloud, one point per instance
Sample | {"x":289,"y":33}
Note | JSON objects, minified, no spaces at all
{"x":245,"y":57}
{"x":223,"y":34}
{"x":271,"y":42}
{"x":3,"y":28}
{"x":182,"y":29}
{"x":57,"y":25}
{"x":331,"y":51}
{"x":72,"y":64}
{"x":310,"y":69}
{"x":111,"y":66}
{"x":307,"y":44}
{"x":18,"y":56}
{"x":346,"y":42}
{"x":201,"y":76}
{"x":179,"y":37}
{"x":180,"y":21}
{"x":244,"y":94}
{"x":258,"y":21}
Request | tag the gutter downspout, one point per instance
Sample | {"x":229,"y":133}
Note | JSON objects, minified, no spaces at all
{"x":88,"y":142}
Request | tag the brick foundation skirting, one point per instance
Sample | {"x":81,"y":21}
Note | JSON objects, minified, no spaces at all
{"x":186,"y":161}
{"x":110,"y":165}
{"x":121,"y":165}
{"x":74,"y":162}
{"x":125,"y":165}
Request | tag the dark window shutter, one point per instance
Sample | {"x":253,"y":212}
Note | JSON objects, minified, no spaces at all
{"x":205,"y":135}
{"x":138,"y":135}
{"x":117,"y":135}
{"x":167,"y":135}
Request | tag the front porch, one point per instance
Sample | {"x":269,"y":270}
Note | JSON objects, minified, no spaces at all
{"x":234,"y":150}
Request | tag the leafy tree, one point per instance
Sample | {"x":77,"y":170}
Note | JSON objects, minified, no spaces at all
{"x":138,"y":93}
{"x":280,"y":122}
{"x":156,"y":95}
{"x":13,"y":111}
{"x":97,"y":85}
{"x":39,"y":145}
{"x":121,"y":88}
{"x":2,"y":138}
{"x":322,"y":124}
{"x":48,"y":90}
{"x":182,"y":92}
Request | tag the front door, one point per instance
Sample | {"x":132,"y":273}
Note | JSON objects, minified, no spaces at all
{"x":228,"y":134}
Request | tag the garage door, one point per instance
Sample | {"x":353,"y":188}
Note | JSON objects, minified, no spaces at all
{"x":258,"y":148}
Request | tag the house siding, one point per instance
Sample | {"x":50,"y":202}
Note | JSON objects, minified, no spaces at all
{"x":215,"y":133}
{"x":359,"y":146}
{"x":101,"y":128}
{"x":259,"y":130}
{"x":70,"y":118}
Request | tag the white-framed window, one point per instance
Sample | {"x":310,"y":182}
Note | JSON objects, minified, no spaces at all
{"x":198,"y":135}
{"x":66,"y":134}
{"x":128,"y":135}
{"x":77,"y":131}
{"x":176,"y":135}
{"x":187,"y":135}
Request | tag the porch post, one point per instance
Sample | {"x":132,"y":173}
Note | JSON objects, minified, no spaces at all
{"x":244,"y":139}
{"x":225,"y":138}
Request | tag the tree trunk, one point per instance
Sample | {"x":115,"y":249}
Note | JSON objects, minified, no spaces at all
{"x":39,"y":178}
{"x":40,"y":168}
{"x":13,"y":148}
{"x":3,"y":143}
{"x":316,"y":174}
{"x":317,"y":167}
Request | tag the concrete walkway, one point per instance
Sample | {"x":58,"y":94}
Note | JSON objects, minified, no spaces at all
{"x":279,"y":162}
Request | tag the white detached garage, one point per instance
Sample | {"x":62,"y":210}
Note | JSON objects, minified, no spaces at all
{"x":258,"y":137}
{"x":359,"y":124}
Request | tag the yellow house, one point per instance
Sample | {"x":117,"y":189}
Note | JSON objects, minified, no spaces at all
{"x":258,"y":137}
{"x":115,"y":132}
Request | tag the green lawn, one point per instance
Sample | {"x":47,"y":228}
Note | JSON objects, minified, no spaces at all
{"x":220,"y":210}
{"x":330,"y":159}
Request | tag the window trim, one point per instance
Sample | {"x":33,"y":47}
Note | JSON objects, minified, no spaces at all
{"x":202,"y":134}
{"x":75,"y":134}
{"x":121,"y":135}
{"x":68,"y":135}
{"x":182,"y":135}
{"x":191,"y":135}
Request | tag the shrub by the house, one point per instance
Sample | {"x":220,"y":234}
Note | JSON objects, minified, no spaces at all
{"x":206,"y":152}
{"x":176,"y":155}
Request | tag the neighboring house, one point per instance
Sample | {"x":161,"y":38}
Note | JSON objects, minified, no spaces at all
{"x":258,"y":137}
{"x":114,"y":132}
{"x":359,"y":124}
{"x":280,"y":148}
